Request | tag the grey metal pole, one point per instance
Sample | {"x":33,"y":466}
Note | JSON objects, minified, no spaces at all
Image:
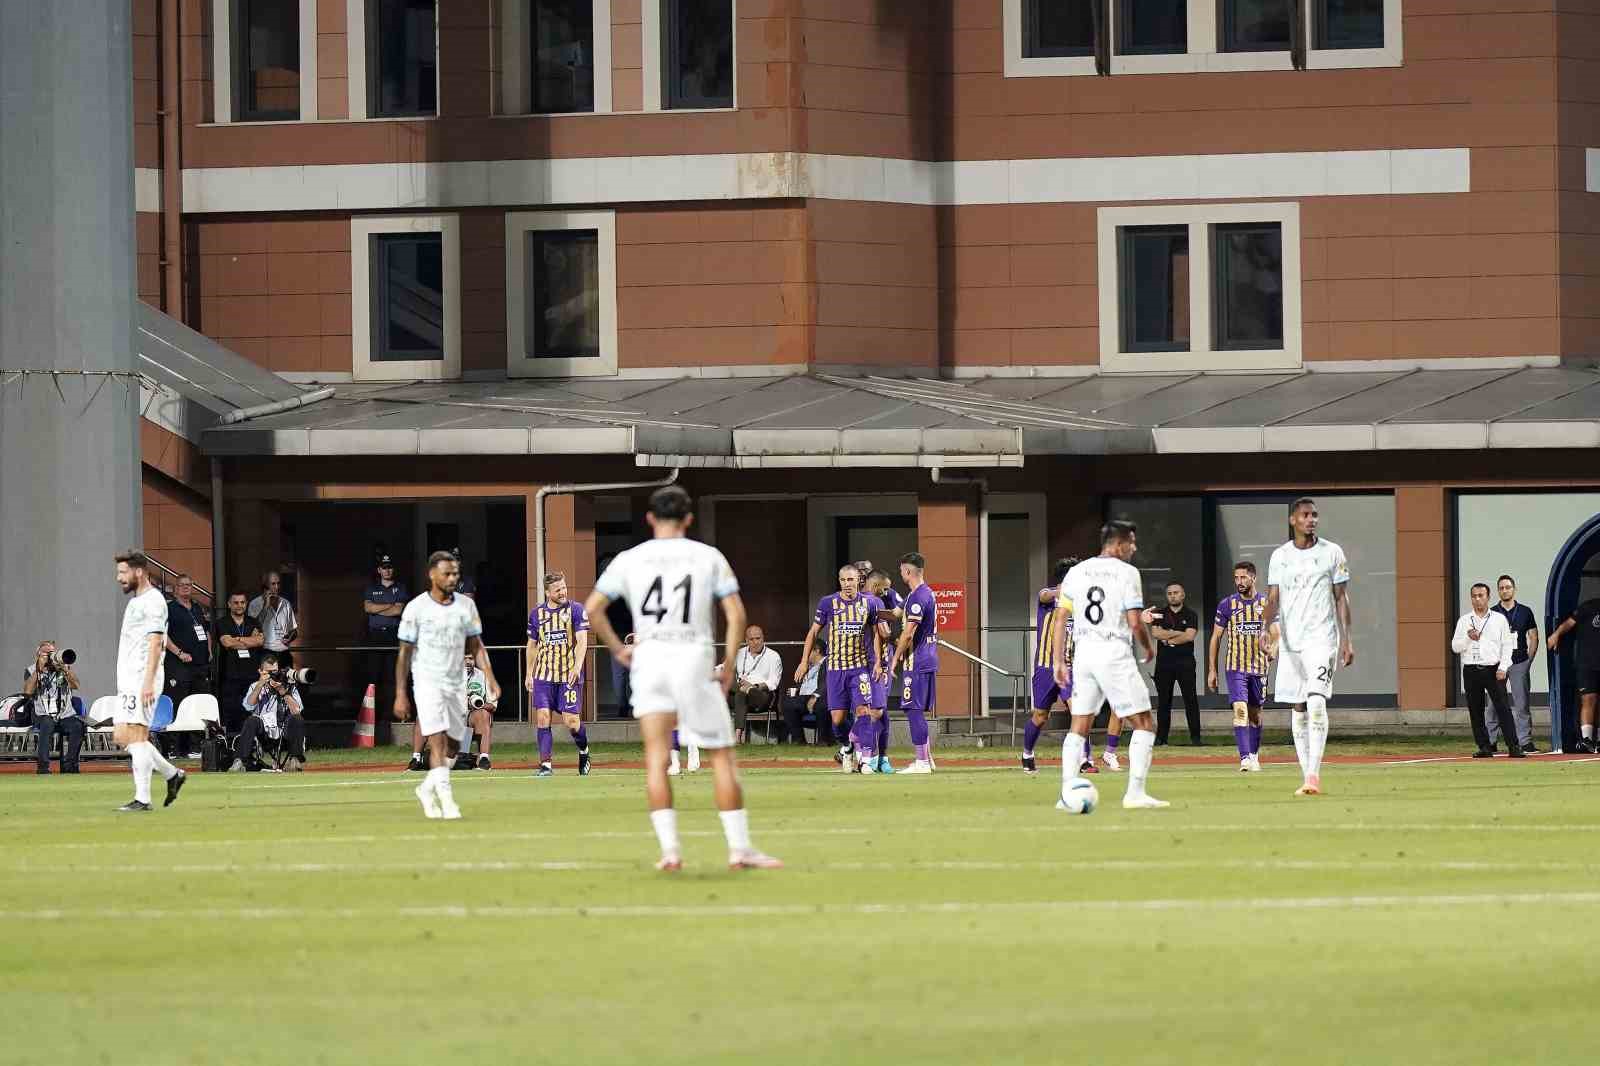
{"x":69,"y":442}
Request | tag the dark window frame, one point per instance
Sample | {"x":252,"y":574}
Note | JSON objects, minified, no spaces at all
{"x":670,"y":100}
{"x":380,"y":350}
{"x":533,"y":325}
{"x":375,"y":68}
{"x":239,"y":60}
{"x":1121,"y":33}
{"x":1218,"y":286}
{"x":1225,"y":23}
{"x":530,"y":51}
{"x":1031,"y":49}
{"x":1319,"y":18}
{"x":1126,"y":287}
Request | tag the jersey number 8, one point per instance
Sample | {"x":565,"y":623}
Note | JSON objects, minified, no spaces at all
{"x":1095,"y":610}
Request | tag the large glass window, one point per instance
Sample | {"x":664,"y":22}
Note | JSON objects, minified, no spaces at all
{"x":408,"y":297}
{"x":563,"y":304}
{"x":266,"y":59}
{"x":1348,"y":23}
{"x":1152,"y":27}
{"x":1256,"y":25}
{"x":1247,"y":285}
{"x":562,"y":49}
{"x":403,"y":65}
{"x":1154,"y":296}
{"x":698,"y":53}
{"x":1055,"y":28}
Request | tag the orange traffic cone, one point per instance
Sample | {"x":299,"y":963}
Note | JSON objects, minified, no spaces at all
{"x":365,"y":733}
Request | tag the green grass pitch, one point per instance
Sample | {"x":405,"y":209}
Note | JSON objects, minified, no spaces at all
{"x":1416,"y":913}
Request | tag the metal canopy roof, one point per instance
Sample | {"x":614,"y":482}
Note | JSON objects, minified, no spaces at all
{"x":201,"y":370}
{"x":823,"y":419}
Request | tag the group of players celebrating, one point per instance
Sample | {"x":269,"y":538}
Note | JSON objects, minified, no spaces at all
{"x":1090,"y":620}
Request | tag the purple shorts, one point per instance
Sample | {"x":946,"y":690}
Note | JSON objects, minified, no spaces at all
{"x":557,"y":697}
{"x":1045,"y":689}
{"x":880,"y":693}
{"x":849,"y":689}
{"x":1248,"y":689}
{"x":917,"y":691}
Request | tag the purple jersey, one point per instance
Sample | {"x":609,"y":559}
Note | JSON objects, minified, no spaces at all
{"x":847,"y":625}
{"x":554,"y":631}
{"x":922,"y":617}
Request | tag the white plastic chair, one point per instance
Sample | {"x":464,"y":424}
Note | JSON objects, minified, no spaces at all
{"x":195,"y":713}
{"x":102,"y":711}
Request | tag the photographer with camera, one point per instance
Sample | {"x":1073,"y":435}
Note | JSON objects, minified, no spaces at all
{"x":48,"y":686}
{"x":480,"y":719}
{"x":275,"y":723}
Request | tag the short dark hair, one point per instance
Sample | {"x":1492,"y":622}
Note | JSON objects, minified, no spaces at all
{"x":1247,"y":566}
{"x":1117,"y":530}
{"x":270,"y":655}
{"x":1063,"y":564}
{"x":1505,"y":577}
{"x":1175,"y":584}
{"x":1304,"y":501}
{"x":442,"y":557}
{"x":552,"y":577}
{"x":1476,"y":585}
{"x":880,"y":575}
{"x":914,"y":559}
{"x":672,"y":502}
{"x":135,"y":559}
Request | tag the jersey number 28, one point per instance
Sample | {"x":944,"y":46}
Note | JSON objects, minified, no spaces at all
{"x":653,"y":606}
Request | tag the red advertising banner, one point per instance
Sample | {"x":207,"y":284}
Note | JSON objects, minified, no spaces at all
{"x":950,"y":603}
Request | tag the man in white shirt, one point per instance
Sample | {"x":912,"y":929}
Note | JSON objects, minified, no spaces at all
{"x":1308,"y":614}
{"x":757,"y":673}
{"x":139,"y":680}
{"x":1484,"y":642}
{"x":275,"y":615}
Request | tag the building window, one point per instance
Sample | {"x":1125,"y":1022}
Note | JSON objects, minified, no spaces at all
{"x":697,"y":55}
{"x":1256,"y":25}
{"x":561,"y":44}
{"x":1200,"y":287}
{"x":406,"y":297}
{"x":1154,"y":281}
{"x":266,"y":53}
{"x":1152,"y":27}
{"x":1348,"y":24}
{"x":403,"y":66}
{"x":561,"y":293}
{"x":1056,"y":28}
{"x":1247,"y":286}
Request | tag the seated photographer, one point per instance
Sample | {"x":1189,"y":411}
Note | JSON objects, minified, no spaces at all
{"x":480,"y":720}
{"x":274,"y":705}
{"x":48,"y":686}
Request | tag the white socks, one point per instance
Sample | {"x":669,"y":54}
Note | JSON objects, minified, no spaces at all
{"x":1141,"y":751}
{"x":736,"y":827}
{"x":140,"y":756}
{"x":1587,"y":731}
{"x":665,"y":823}
{"x":159,"y":762}
{"x":1317,"y":728}
{"x":1071,"y":758}
{"x":1297,"y":724}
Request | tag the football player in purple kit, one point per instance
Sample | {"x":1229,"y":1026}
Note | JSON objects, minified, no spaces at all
{"x":558,"y":637}
{"x":1046,"y":693}
{"x":1238,"y":621}
{"x":878,"y":584}
{"x":918,"y":648}
{"x":850,"y":618}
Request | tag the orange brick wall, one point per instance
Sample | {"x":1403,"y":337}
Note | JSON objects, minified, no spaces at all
{"x":333,"y":60}
{"x":876,"y":283}
{"x":146,"y":87}
{"x":627,"y":56}
{"x":177,"y":513}
{"x":864,"y":76}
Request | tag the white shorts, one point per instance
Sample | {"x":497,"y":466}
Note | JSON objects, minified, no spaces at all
{"x":1109,"y":675}
{"x":1307,"y":672}
{"x":440,"y":710}
{"x":129,"y":712}
{"x":673,"y":678}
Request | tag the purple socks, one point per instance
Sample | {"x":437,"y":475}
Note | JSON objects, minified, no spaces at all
{"x":1030,"y":737}
{"x":1241,"y":737}
{"x":1255,"y":739}
{"x":546,"y":743}
{"x":1112,"y":740}
{"x":675,"y":744}
{"x":865,"y":735}
{"x":842,"y":733}
{"x":883,"y":734}
{"x":580,"y":737}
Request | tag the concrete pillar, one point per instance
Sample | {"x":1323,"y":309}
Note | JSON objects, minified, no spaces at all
{"x":69,"y":459}
{"x":947,"y":537}
{"x":1422,"y":596}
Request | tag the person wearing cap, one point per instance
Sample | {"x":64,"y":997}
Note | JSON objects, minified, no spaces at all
{"x":383,"y":601}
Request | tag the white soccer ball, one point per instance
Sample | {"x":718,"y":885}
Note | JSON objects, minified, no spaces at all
{"x":1079,"y":797}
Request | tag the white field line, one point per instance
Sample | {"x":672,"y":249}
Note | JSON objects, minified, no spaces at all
{"x":941,"y":865}
{"x":806,"y":910}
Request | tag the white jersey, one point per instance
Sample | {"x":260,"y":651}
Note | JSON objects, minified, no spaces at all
{"x":1102,"y":591}
{"x":670,"y":584}
{"x":146,"y":613}
{"x":439,"y":631}
{"x":1305,"y":578}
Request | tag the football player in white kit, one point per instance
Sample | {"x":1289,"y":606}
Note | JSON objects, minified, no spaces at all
{"x":140,"y":681}
{"x":438,"y":630}
{"x":670,"y":583}
{"x":1307,"y":624}
{"x":1107,"y":600}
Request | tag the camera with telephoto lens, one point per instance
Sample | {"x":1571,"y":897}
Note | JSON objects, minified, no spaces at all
{"x":304,"y":676}
{"x":476,"y":702}
{"x":64,"y":657}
